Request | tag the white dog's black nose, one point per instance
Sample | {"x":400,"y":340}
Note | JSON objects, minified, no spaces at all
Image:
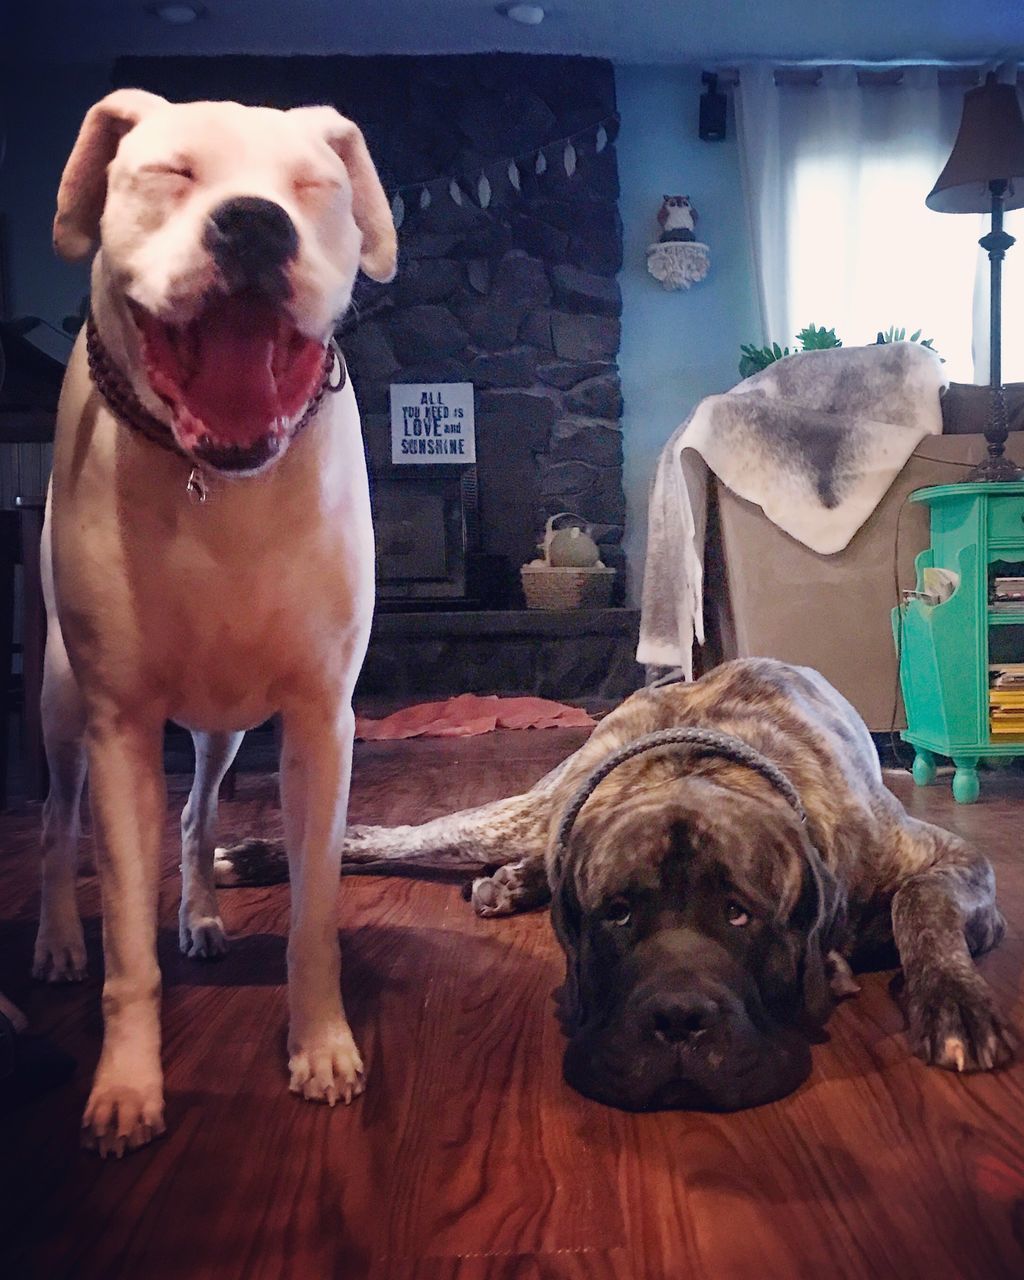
{"x":252,"y":240}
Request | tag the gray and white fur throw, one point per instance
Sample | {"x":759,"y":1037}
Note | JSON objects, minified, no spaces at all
{"x":815,"y":440}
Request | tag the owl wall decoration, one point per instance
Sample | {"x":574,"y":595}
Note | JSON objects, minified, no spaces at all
{"x":677,"y":259}
{"x":677,"y":218}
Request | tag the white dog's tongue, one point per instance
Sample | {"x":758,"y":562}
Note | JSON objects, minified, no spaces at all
{"x":237,"y":372}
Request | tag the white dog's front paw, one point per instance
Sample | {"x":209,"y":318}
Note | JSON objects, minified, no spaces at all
{"x":201,"y":937}
{"x":59,"y":954}
{"x":122,"y":1115}
{"x":326,"y":1067}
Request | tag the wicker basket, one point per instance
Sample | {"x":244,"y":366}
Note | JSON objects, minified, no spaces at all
{"x":548,"y":588}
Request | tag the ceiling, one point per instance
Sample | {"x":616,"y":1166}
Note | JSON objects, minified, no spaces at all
{"x":629,"y":31}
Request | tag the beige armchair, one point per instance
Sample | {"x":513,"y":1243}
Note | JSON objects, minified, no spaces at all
{"x":768,"y":595}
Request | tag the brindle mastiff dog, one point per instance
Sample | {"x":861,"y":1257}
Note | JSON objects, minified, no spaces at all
{"x":711,"y":895}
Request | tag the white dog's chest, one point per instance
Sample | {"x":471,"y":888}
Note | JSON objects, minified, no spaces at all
{"x":272,"y":638}
{"x":221,"y":613}
{"x":239,"y":650}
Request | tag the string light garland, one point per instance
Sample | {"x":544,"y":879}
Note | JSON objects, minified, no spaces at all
{"x":480,"y":183}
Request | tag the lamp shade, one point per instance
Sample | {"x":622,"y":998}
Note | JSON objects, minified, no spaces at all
{"x":988,"y":147}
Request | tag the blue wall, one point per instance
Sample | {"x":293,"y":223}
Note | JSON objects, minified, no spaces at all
{"x":677,"y":346}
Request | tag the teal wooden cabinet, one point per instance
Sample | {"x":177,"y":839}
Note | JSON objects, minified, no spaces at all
{"x":946,"y":650}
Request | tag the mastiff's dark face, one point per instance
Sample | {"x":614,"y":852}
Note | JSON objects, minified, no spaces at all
{"x":695,"y":921}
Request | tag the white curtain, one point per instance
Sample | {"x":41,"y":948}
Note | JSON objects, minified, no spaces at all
{"x":835,"y":177}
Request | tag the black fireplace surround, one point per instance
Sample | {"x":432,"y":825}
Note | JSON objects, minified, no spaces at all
{"x":519,"y":298}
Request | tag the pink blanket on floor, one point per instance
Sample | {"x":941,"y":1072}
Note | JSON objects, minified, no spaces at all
{"x":470,"y":714}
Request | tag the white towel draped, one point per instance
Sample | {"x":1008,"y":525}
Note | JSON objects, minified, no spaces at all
{"x":815,"y":440}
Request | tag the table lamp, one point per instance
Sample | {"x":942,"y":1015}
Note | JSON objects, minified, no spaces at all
{"x":985,"y":173}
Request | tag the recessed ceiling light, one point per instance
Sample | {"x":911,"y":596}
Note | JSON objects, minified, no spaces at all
{"x":530,"y":15}
{"x":178,"y":15}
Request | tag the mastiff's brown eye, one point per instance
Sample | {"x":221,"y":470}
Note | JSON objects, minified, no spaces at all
{"x":618,"y":911}
{"x":736,"y":915}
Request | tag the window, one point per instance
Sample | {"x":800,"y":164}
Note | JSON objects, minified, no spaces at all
{"x":865,"y":253}
{"x":836,"y":173}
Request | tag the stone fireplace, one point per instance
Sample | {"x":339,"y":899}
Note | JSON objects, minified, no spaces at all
{"x":424,"y":525}
{"x":518,"y":298}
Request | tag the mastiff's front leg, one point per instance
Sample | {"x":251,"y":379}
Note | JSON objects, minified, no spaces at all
{"x":129,"y":801}
{"x":942,"y":916}
{"x":316,"y":766}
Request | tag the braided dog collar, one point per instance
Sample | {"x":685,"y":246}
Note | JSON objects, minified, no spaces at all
{"x":125,"y":405}
{"x":709,"y":741}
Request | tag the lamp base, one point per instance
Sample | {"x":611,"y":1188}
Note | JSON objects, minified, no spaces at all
{"x":996,"y":469}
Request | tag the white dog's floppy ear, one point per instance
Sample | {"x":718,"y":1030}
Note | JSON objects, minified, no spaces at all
{"x":83,"y":188}
{"x":370,"y":206}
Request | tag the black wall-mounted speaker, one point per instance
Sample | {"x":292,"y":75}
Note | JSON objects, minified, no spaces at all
{"x":713,"y":105}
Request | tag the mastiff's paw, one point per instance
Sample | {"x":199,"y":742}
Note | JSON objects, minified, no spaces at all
{"x":122,"y":1116}
{"x":201,"y":937}
{"x":326,"y":1067}
{"x":954,"y":1024}
{"x":249,"y":863}
{"x":841,"y":981}
{"x":493,"y":895}
{"x":59,"y":954}
{"x":517,"y":886}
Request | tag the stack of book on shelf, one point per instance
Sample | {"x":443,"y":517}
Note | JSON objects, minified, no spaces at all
{"x":1006,"y":699}
{"x":1008,"y":595}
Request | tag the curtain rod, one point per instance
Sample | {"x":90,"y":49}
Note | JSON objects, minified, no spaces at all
{"x":881,"y":75}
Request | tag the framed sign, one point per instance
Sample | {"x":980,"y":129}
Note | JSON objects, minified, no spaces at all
{"x":432,"y":422}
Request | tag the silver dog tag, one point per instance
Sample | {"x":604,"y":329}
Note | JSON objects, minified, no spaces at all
{"x":196,"y":488}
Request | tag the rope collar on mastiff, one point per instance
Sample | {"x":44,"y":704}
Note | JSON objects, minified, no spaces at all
{"x":709,"y":741}
{"x":125,"y":405}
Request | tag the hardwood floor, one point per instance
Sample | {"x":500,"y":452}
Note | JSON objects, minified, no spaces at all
{"x":468,"y":1158}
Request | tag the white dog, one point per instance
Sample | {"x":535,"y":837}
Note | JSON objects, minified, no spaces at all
{"x":211,"y":544}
